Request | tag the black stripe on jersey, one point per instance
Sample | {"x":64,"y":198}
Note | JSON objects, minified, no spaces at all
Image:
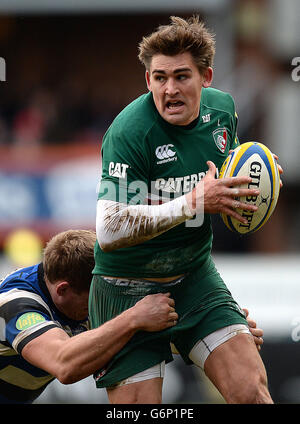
{"x":20,"y":304}
{"x":34,"y":335}
{"x":12,"y":392}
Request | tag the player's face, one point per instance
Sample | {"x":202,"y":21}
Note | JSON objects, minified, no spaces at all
{"x":75,"y":305}
{"x":176,"y":85}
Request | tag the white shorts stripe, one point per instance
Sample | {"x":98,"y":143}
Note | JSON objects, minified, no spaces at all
{"x":153,"y":372}
{"x":204,"y":347}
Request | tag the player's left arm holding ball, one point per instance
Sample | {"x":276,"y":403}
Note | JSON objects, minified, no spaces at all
{"x":213,"y":195}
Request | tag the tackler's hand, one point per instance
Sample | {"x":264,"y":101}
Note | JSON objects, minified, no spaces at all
{"x":257,"y":333}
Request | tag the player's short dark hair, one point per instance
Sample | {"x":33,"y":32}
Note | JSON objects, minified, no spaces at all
{"x":69,"y":256}
{"x":180,"y":36}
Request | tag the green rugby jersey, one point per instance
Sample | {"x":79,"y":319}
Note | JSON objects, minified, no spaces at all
{"x":144,"y":158}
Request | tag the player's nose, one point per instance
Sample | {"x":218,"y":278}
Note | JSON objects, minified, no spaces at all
{"x":171,"y":88}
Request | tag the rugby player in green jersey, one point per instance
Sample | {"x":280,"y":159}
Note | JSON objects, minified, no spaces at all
{"x":158,"y":189}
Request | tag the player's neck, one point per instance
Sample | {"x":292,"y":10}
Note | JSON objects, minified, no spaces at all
{"x":192,"y":124}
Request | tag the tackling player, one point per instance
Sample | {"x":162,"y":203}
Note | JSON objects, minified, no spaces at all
{"x":167,"y":145}
{"x":41,"y":306}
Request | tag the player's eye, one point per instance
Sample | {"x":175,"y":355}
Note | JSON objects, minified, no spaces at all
{"x":159,"y":78}
{"x":181,"y":77}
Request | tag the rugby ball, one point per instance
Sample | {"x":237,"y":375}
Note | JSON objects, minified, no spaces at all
{"x":254,"y":160}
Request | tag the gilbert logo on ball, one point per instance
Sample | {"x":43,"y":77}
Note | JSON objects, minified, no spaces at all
{"x":256,"y":161}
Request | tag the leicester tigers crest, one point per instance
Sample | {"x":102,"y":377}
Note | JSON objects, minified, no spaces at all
{"x":220,"y":137}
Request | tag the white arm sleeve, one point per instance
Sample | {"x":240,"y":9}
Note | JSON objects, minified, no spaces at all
{"x":119,"y":225}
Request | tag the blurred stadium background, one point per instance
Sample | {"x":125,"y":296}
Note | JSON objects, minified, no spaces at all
{"x":71,"y":66}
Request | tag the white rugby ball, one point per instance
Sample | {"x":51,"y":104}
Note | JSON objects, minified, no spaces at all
{"x":254,"y":160}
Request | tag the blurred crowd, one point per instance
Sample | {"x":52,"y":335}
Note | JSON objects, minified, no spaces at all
{"x":54,"y":116}
{"x":68,"y":76}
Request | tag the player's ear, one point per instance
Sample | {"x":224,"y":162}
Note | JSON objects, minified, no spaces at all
{"x":147,"y":76}
{"x":208,"y":77}
{"x":62,"y":287}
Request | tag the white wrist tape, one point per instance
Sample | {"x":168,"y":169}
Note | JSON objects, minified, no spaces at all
{"x":119,"y":225}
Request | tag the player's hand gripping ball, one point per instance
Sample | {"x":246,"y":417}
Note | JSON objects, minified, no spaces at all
{"x":256,"y":161}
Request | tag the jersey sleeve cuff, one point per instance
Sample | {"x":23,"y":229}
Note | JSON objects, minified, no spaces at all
{"x":26,"y":336}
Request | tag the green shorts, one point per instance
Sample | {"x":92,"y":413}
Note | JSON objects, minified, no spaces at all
{"x":202,"y":301}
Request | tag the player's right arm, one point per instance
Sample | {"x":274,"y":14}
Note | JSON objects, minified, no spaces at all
{"x":122,"y":218}
{"x":71,"y":359}
{"x":120,"y":225}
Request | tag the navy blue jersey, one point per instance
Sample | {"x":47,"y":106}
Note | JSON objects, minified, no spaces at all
{"x":26,"y":312}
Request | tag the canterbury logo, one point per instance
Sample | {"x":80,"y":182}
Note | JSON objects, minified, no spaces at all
{"x":165,"y":152}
